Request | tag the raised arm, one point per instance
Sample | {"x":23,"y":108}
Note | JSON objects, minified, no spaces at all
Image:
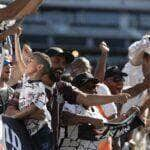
{"x":10,"y":31}
{"x":18,"y":9}
{"x":19,"y":56}
{"x":101,"y":66}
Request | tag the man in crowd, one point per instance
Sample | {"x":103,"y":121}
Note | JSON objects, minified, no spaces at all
{"x":5,"y":91}
{"x":138,"y":69}
{"x":60,"y":60}
{"x":114,"y":79}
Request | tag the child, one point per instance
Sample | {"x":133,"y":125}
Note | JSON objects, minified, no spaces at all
{"x":33,"y":99}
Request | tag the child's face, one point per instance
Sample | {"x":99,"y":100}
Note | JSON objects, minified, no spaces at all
{"x":31,"y":66}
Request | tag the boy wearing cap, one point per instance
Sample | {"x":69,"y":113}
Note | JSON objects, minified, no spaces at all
{"x":114,"y":79}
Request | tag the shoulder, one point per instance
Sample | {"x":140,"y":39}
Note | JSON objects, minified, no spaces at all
{"x":103,"y":89}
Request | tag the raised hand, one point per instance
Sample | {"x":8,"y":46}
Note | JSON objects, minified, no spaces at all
{"x":104,"y":47}
{"x":14,"y":30}
{"x":11,"y":31}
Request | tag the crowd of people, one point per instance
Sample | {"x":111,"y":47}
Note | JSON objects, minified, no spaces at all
{"x":64,"y":103}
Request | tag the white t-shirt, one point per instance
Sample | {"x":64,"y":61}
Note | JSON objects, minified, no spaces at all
{"x":110,"y":108}
{"x":135,"y":76}
{"x":34,"y":92}
{"x":80,"y":110}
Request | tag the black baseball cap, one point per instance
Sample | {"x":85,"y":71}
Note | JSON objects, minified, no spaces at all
{"x":57,"y":51}
{"x":114,"y":71}
{"x":84,"y":78}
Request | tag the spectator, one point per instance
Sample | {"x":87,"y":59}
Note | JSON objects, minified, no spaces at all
{"x":138,"y":69}
{"x":32,"y":99}
{"x":139,"y":56}
{"x":60,"y":59}
{"x":77,"y":115}
{"x":5,"y":90}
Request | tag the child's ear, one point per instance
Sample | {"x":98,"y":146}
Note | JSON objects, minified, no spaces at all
{"x":40,"y":67}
